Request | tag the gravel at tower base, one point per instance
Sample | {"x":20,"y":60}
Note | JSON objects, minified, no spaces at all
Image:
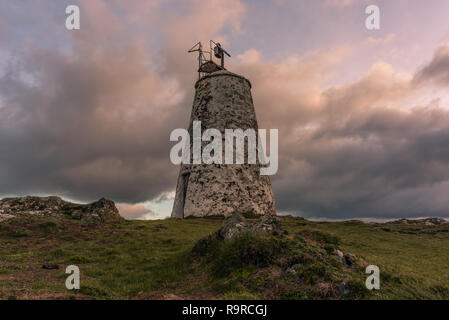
{"x":222,"y":101}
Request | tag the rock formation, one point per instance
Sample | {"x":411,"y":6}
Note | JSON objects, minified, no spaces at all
{"x":236,"y":225}
{"x":223,"y":101}
{"x":102,"y":210}
{"x":422,"y":221}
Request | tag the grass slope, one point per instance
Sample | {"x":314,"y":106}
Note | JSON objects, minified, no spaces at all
{"x":154,"y":260}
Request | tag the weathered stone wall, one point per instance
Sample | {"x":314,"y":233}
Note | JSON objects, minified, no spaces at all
{"x":102,"y":210}
{"x":223,"y":101}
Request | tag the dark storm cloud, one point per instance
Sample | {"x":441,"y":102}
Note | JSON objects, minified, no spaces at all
{"x":89,"y":123}
{"x":437,"y":70}
{"x":358,"y":150}
{"x":88,"y":114}
{"x":87,"y":129}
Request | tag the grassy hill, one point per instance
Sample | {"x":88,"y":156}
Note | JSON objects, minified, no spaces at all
{"x":157,"y":260}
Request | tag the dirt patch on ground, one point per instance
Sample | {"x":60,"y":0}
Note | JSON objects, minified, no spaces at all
{"x":159,"y":295}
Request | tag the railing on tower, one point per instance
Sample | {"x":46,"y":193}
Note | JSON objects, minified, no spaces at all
{"x":209,"y":66}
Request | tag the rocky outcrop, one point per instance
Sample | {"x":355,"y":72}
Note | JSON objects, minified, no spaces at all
{"x":237,"y":225}
{"x":268,"y":224}
{"x":232,"y":226}
{"x":103,"y":210}
{"x":350,"y":260}
{"x":423,"y":222}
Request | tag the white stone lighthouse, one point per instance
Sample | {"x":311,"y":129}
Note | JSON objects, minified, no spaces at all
{"x":222,"y":101}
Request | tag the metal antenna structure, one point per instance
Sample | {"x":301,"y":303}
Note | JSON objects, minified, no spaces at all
{"x":209,"y":66}
{"x":201,"y":60}
{"x":219,"y":52}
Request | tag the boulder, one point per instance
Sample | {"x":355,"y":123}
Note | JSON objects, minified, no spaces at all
{"x":339,"y":254}
{"x":237,"y":224}
{"x":343,"y":288}
{"x":268,"y":224}
{"x":350,"y":260}
{"x":103,"y":210}
{"x":294,"y":270}
{"x":232,"y":226}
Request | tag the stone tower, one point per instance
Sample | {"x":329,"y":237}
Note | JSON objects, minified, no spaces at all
{"x":222,"y":101}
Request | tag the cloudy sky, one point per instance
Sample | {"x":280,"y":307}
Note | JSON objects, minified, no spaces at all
{"x":363,"y":115}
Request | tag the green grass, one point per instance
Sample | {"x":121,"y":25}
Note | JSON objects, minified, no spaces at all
{"x":413,"y":265}
{"x":151,"y":259}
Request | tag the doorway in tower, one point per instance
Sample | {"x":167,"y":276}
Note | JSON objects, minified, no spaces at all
{"x":185,"y":182}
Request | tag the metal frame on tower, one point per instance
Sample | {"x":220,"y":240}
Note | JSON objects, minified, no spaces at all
{"x":219,"y":52}
{"x":209,"y":66}
{"x":199,"y":48}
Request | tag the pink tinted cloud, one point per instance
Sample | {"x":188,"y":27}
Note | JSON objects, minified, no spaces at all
{"x":98,"y":122}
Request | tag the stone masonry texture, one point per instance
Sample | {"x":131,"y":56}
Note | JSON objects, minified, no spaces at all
{"x":222,"y":101}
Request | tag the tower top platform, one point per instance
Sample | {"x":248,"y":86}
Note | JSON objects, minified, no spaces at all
{"x":220,"y":74}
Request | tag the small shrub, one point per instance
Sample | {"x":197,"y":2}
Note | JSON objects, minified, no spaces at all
{"x":315,"y":272}
{"x":192,"y":217}
{"x":322,"y":237}
{"x":19,"y":234}
{"x":57,"y":253}
{"x":357,"y":289}
{"x":440,"y":290}
{"x":168,"y":241}
{"x":4,"y":271}
{"x":48,"y":224}
{"x":215,"y":217}
{"x":93,"y":291}
{"x":206,"y":246}
{"x":244,"y":251}
{"x":239,"y":295}
{"x":329,"y":248}
{"x":79,"y":259}
{"x":251,"y":215}
{"x":295,"y":295}
{"x":388,"y":277}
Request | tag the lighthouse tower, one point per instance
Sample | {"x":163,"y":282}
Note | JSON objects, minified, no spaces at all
{"x":222,"y":101}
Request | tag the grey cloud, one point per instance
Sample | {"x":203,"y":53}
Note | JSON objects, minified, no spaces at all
{"x":95,"y":122}
{"x":358,"y":150}
{"x":372,"y":162}
{"x":88,"y":113}
{"x":90,"y":124}
{"x":437,"y":70}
